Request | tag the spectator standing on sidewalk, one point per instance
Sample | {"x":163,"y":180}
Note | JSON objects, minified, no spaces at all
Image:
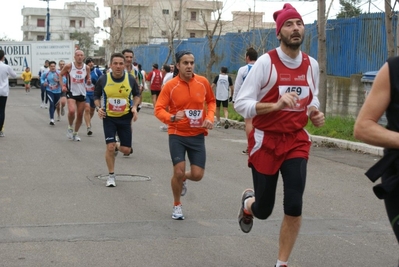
{"x":5,"y":72}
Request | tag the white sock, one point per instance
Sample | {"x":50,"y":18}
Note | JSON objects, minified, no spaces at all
{"x":245,"y":204}
{"x":279,"y":263}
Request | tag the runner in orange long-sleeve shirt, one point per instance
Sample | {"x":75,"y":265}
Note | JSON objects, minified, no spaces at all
{"x":187,"y":104}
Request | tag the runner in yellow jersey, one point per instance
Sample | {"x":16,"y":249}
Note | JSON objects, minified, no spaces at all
{"x":116,"y":97}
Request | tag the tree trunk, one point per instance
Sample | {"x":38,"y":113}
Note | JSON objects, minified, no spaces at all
{"x":322,"y":55}
{"x":388,"y":28}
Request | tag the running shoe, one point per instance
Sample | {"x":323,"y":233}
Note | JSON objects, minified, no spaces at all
{"x":177,"y":213}
{"x":69,"y":133}
{"x":52,"y":122}
{"x":62,"y":111}
{"x":110,"y":181}
{"x":245,"y":152}
{"x":89,"y":132}
{"x":184,"y":188}
{"x":218,"y":124}
{"x":1,"y":134}
{"x":245,"y":220}
{"x":131,"y":152}
{"x":42,"y":105}
{"x":58,"y":118}
{"x":281,"y":266}
{"x":76,"y":137}
{"x":163,"y":128}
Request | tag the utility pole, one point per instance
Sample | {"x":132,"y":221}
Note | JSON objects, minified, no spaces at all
{"x":123,"y":24}
{"x":253,"y":27}
{"x":321,"y":54}
{"x":48,"y":19}
{"x":180,"y":18}
{"x":139,"y":24}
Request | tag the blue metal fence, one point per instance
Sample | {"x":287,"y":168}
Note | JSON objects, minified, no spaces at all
{"x":354,"y":46}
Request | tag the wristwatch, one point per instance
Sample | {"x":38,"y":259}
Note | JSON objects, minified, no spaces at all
{"x":97,"y":108}
{"x":173,"y":118}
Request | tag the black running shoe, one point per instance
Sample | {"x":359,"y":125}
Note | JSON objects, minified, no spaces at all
{"x":245,"y":220}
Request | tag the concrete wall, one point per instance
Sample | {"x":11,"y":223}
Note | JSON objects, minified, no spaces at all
{"x":345,"y":96}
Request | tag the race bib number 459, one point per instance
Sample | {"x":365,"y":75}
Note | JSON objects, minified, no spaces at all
{"x":302,"y":93}
{"x":195,"y":117}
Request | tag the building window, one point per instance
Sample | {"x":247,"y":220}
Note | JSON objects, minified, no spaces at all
{"x":177,"y":15}
{"x":41,"y":22}
{"x":72,"y":23}
{"x":80,"y":23}
{"x":163,"y":33}
{"x":165,"y":11}
{"x":40,"y":37}
{"x":193,"y":15}
{"x":192,"y":34}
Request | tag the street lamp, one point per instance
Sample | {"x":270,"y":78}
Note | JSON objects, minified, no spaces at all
{"x":48,"y":19}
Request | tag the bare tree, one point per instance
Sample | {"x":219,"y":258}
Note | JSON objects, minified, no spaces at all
{"x":322,"y":54}
{"x":388,"y":28}
{"x":213,"y":32}
{"x":169,"y":24}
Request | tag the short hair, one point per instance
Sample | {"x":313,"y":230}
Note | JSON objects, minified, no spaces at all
{"x":88,"y":60}
{"x":117,"y":55}
{"x":251,"y":53}
{"x":155,"y":66}
{"x":1,"y":54}
{"x":166,"y":67}
{"x":180,"y":54}
{"x":52,"y":62}
{"x":61,"y":61}
{"x":223,"y":69}
{"x":127,"y":51}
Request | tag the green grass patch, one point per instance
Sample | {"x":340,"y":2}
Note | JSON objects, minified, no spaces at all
{"x":334,"y":127}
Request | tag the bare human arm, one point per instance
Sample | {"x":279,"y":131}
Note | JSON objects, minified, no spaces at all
{"x":66,"y":69}
{"x":366,"y":127}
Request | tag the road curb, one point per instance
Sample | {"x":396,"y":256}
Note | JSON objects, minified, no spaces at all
{"x":319,"y":140}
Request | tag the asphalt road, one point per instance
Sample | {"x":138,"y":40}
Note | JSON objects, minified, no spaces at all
{"x":56,"y":211}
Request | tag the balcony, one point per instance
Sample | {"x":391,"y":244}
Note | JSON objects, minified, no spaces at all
{"x":30,"y":28}
{"x":113,"y":3}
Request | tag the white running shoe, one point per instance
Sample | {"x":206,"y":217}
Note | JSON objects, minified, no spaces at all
{"x":42,"y":105}
{"x":177,"y":213}
{"x":62,"y":111}
{"x":163,"y":128}
{"x":69,"y":133}
{"x":1,"y":134}
{"x":111,"y":181}
{"x":76,"y":138}
{"x":184,"y":189}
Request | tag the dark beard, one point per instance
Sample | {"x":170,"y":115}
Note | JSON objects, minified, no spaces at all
{"x":292,"y":45}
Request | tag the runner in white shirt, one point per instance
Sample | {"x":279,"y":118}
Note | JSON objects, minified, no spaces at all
{"x":78,"y":75}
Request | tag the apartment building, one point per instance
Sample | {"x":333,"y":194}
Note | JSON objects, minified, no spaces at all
{"x":135,"y":22}
{"x":75,"y":17}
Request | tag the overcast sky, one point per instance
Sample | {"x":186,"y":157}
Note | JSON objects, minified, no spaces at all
{"x":11,"y":18}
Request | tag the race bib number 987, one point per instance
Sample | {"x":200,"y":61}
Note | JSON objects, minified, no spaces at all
{"x":301,"y":91}
{"x":195,"y":117}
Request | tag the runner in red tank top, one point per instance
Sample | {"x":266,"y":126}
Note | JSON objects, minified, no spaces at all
{"x":281,"y":96}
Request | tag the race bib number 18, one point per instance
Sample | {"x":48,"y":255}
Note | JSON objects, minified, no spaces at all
{"x":195,"y":117}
